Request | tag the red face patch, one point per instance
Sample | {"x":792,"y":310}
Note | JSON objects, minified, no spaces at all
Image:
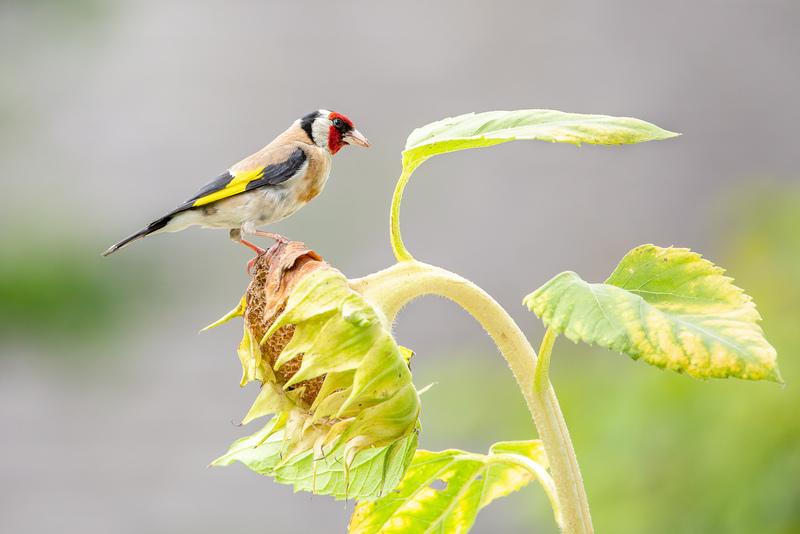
{"x":335,"y":142}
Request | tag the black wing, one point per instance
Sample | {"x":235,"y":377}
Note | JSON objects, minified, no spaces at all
{"x":226,"y":184}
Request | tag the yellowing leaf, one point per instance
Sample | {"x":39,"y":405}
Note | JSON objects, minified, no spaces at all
{"x":667,"y":306}
{"x":443,"y":491}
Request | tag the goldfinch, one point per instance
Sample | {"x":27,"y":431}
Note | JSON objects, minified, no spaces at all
{"x":266,"y":187}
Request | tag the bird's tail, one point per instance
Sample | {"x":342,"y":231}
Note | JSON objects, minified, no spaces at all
{"x":151,"y":228}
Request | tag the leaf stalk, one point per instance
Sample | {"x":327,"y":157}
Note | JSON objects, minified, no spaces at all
{"x":399,"y":249}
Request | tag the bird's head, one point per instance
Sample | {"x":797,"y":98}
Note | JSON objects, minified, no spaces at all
{"x":331,"y":130}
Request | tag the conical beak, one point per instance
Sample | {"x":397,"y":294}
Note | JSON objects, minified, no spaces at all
{"x":354,"y":137}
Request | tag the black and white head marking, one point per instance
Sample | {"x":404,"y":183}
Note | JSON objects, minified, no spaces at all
{"x":317,"y":125}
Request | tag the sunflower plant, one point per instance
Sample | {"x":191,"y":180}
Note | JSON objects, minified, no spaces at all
{"x":344,"y":411}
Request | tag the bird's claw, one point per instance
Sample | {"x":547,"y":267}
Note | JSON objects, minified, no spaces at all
{"x":251,"y":263}
{"x":269,"y":252}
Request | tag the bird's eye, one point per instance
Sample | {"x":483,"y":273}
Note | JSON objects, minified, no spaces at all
{"x":338,"y":123}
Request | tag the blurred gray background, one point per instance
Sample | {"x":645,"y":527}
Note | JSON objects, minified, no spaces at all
{"x":112,"y":113}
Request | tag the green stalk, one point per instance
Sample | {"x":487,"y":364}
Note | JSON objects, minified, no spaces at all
{"x":398,"y":247}
{"x":390,"y":289}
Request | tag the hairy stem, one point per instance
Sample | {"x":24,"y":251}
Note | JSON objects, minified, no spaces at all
{"x":398,"y":247}
{"x":392,"y":288}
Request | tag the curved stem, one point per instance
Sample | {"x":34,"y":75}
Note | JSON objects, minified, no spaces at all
{"x":398,"y":247}
{"x":392,"y":288}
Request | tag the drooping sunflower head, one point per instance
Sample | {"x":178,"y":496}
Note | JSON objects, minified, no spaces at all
{"x":338,"y":384}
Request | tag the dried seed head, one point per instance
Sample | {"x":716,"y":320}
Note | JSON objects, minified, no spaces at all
{"x":274,"y":276}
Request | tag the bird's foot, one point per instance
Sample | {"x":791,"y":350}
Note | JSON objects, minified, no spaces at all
{"x":251,"y":263}
{"x":279,"y":240}
{"x":258,"y":250}
{"x":277,"y":237}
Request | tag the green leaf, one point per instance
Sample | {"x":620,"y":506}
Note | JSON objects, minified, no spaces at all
{"x":365,"y":478}
{"x":493,"y":127}
{"x":490,"y":128}
{"x":443,"y":491}
{"x":667,"y":306}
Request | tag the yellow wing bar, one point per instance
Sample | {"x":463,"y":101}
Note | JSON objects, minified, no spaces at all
{"x":237,"y":185}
